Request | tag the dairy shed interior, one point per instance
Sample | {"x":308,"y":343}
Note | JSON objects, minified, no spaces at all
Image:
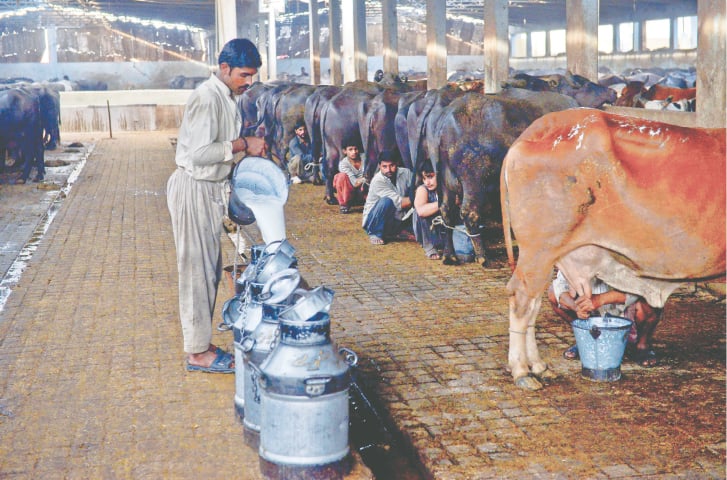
{"x":138,"y":45}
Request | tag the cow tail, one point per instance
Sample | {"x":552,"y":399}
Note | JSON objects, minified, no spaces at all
{"x":505,"y":203}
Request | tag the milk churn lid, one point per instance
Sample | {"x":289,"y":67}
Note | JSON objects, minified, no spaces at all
{"x":308,"y":303}
{"x":280,"y":286}
{"x":279,"y":246}
{"x":269,"y":265}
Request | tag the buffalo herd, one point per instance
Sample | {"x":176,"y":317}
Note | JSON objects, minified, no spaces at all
{"x":29,"y":124}
{"x":462,"y":132}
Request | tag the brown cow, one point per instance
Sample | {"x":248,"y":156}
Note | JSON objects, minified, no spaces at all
{"x":662,"y":92}
{"x":633,"y":89}
{"x":636,"y":203}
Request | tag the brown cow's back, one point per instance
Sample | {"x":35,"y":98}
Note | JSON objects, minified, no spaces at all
{"x":636,"y":187}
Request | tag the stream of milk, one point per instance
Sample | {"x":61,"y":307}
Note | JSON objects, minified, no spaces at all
{"x":269,"y":214}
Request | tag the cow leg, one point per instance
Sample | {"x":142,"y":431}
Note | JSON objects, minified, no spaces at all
{"x":523,"y":356}
{"x":521,"y":346}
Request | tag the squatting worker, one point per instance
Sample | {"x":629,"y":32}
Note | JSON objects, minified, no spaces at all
{"x":206,"y":143}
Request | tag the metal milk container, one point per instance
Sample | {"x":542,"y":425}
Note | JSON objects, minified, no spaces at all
{"x":251,"y":313}
{"x":256,"y":348}
{"x":304,"y":387}
{"x":234,"y":314}
{"x":251,"y":310}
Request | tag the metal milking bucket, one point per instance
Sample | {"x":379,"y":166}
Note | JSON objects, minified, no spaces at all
{"x":257,"y":343}
{"x":304,"y":388}
{"x":601,"y":344}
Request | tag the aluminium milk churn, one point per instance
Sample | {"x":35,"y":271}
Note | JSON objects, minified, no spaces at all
{"x":279,"y":288}
{"x":259,"y":343}
{"x":232,"y":310}
{"x":304,"y":383}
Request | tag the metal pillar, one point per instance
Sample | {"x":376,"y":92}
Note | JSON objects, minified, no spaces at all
{"x":355,"y":57}
{"x":314,"y":44}
{"x":389,"y":29}
{"x":581,"y":37}
{"x":436,"y":44}
{"x":711,"y":76}
{"x":334,"y":28}
{"x":225,"y":22}
{"x":497,"y":44}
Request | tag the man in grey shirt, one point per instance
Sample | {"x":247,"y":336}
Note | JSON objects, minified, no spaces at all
{"x":387,"y":202}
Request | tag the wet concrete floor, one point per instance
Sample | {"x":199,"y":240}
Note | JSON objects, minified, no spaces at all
{"x":93,"y":383}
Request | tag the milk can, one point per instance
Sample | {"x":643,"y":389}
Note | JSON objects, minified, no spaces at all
{"x":249,"y":273}
{"x":232,"y":310}
{"x":256,"y":348}
{"x":251,"y":313}
{"x":304,"y":386}
{"x":277,"y":290}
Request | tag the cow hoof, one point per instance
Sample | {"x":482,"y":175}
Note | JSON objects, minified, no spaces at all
{"x":450,"y":260}
{"x":546,"y":376}
{"x":529,"y":383}
{"x":331,"y":200}
{"x":484,"y":262}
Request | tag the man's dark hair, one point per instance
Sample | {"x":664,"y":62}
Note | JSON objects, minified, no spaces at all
{"x":240,"y":52}
{"x":350,"y":141}
{"x":298,"y":124}
{"x":388,"y":156}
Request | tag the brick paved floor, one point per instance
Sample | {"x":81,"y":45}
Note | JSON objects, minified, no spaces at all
{"x":93,"y":384}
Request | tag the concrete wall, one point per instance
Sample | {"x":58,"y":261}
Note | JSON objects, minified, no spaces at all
{"x":123,"y":110}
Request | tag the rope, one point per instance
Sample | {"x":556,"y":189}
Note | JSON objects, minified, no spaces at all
{"x":312,"y":165}
{"x":522,"y":333}
{"x":438,"y":220}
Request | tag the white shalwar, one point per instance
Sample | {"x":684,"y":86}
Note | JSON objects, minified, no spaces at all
{"x":196,"y":197}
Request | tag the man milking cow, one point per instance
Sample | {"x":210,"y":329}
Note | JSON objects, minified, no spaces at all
{"x":604,"y":300}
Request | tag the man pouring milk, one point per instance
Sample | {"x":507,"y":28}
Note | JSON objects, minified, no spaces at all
{"x":207,"y":142}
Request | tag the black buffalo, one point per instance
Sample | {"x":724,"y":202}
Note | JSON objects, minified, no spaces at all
{"x":247,"y":105}
{"x":312,"y":115}
{"x":467,"y":147}
{"x":339,"y":121}
{"x":21,"y":130}
{"x":279,"y":109}
{"x":376,"y":125}
{"x":585,"y":92}
{"x":400,"y":125}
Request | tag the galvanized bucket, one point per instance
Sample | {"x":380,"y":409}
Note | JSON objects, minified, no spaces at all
{"x":601,"y":344}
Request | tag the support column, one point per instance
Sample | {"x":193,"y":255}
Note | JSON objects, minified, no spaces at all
{"x":225,"y":22}
{"x":272,"y":46}
{"x":436,"y":44}
{"x":314,"y":43}
{"x":581,"y":37}
{"x":247,"y":20}
{"x":711,"y":77}
{"x":262,"y":47}
{"x":355,"y":57}
{"x":497,"y":44}
{"x":390,"y":30}
{"x":334,"y":29}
